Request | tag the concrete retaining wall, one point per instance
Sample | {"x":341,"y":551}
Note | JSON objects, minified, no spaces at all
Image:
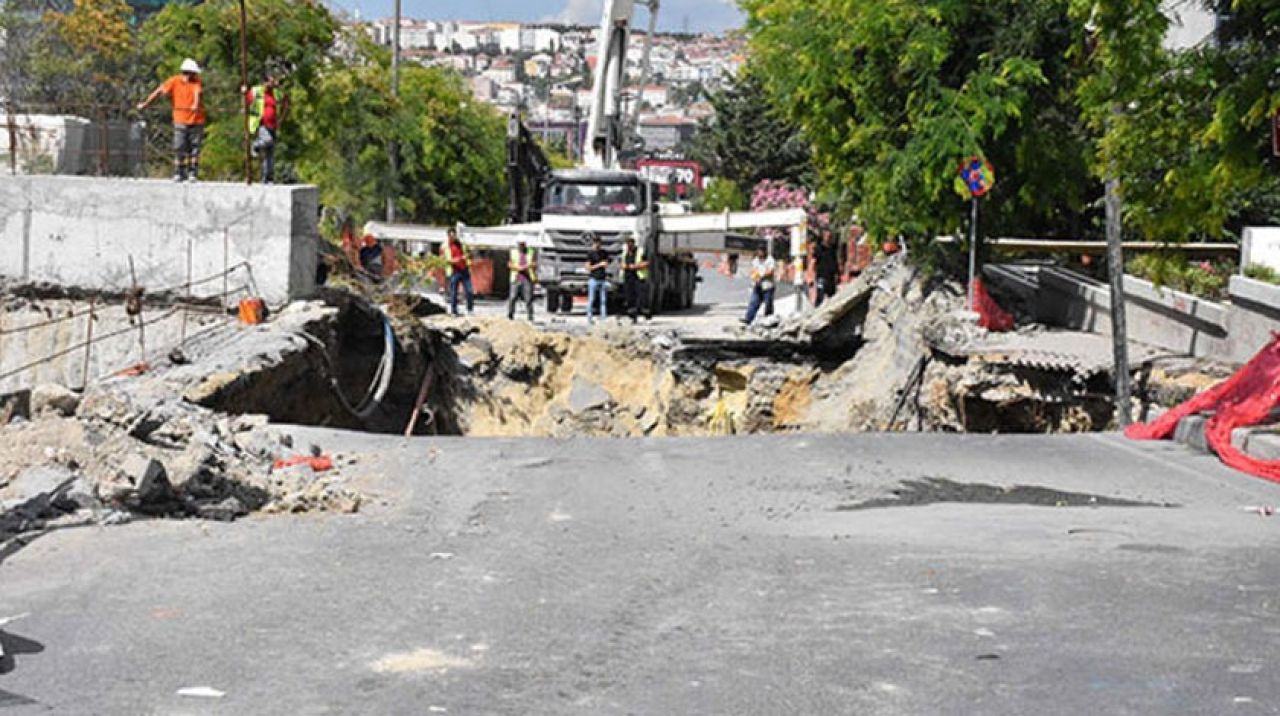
{"x":109,"y":353}
{"x":1176,"y":321}
{"x":1156,"y":316}
{"x":80,"y":231}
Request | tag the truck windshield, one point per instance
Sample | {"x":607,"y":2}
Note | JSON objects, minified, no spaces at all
{"x":593,"y":199}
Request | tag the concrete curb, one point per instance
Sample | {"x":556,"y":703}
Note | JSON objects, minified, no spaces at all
{"x":1259,"y":441}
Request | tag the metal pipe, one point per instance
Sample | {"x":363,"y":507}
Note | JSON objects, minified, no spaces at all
{"x":973,"y":251}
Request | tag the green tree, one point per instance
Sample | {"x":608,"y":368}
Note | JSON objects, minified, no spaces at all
{"x":722,"y":194}
{"x":451,"y":148}
{"x":85,"y":60}
{"x":892,"y":94}
{"x":748,"y":140}
{"x":1187,"y":132}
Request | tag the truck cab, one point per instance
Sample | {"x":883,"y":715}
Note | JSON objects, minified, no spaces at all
{"x":608,"y":204}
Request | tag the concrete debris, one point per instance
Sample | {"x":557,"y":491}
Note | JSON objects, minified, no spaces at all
{"x":54,"y":398}
{"x":585,"y":395}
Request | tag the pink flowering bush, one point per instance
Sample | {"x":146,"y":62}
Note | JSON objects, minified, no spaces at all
{"x":770,"y":194}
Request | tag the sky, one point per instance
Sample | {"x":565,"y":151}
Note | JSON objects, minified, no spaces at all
{"x":701,"y":15}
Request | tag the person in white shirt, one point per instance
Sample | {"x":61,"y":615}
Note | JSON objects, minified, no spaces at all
{"x":763,"y":281}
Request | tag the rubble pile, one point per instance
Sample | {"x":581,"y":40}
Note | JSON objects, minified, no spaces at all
{"x":147,"y":445}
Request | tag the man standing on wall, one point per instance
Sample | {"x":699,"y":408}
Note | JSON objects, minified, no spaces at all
{"x":187,"y":94}
{"x":524,"y":273}
{"x":458,"y":270}
{"x":267,"y":107}
{"x":635,"y":280}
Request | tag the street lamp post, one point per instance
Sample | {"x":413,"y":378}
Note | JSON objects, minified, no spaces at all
{"x":393,"y":149}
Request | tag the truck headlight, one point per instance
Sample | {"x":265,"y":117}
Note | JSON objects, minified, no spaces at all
{"x":546,"y":272}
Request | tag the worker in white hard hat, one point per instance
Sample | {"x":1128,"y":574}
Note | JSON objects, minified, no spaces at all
{"x":187,"y":94}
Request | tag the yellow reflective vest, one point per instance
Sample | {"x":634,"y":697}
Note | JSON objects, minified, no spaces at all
{"x":642,"y":274}
{"x":448,"y":257}
{"x":529,"y":262}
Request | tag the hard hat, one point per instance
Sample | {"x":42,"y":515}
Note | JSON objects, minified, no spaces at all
{"x":190,"y":65}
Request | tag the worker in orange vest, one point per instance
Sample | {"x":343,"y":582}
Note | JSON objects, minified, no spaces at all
{"x":187,"y":93}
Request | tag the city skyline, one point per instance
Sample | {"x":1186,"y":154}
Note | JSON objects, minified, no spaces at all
{"x":675,"y":15}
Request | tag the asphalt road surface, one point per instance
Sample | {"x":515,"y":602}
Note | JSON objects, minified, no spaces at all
{"x":673,"y":576}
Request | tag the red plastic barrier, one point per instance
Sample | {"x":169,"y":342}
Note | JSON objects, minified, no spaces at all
{"x":990,"y":315}
{"x":319,"y":463}
{"x":1246,"y":398}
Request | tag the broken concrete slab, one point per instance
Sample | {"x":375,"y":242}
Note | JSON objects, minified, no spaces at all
{"x":55,"y":398}
{"x":586,"y":395}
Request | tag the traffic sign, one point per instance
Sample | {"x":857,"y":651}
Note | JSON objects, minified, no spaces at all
{"x":977,"y":175}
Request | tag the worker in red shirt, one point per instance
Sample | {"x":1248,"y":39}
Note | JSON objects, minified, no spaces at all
{"x":458,"y":269}
{"x":267,"y":107}
{"x":187,"y":93}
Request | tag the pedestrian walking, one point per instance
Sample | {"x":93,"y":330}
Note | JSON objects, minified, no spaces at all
{"x":458,"y":269}
{"x":826,"y":260}
{"x":524,"y":274}
{"x":267,"y":108}
{"x":186,"y":92}
{"x":763,"y":280}
{"x":597,"y":279}
{"x":635,"y":280}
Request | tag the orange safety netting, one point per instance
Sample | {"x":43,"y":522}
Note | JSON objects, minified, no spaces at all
{"x":1246,"y":398}
{"x":990,"y":315}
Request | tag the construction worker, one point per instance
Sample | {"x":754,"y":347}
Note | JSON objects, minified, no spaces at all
{"x":458,"y":269}
{"x":597,"y":279}
{"x":187,"y":94}
{"x":764,"y":273}
{"x":371,"y":258}
{"x":826,"y":274}
{"x":267,"y":107}
{"x":635,"y":280}
{"x":524,"y":274}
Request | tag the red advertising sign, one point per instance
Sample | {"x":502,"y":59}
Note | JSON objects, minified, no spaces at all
{"x":676,"y":178}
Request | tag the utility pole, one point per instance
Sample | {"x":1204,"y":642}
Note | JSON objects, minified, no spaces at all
{"x":244,"y":82}
{"x":1119,"y":331}
{"x":394,"y":149}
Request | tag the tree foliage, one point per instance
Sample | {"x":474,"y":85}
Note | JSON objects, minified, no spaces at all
{"x":893,"y":94}
{"x":748,"y":140}
{"x":451,"y":149}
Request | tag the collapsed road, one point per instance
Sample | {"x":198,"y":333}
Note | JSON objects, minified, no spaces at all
{"x":511,"y":557}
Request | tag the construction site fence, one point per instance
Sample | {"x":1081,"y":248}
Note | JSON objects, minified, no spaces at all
{"x":79,"y":139}
{"x":145,"y":307}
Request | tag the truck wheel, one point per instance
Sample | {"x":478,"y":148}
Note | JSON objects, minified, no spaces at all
{"x":566,"y":302}
{"x":553,"y":300}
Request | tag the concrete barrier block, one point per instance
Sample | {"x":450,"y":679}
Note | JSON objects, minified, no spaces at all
{"x":1190,"y":432}
{"x":1263,"y":445}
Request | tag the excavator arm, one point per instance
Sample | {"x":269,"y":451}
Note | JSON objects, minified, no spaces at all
{"x":527,"y":173}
